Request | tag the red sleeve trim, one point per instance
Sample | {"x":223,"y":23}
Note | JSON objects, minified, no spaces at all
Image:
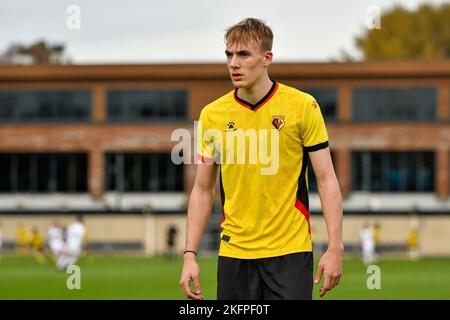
{"x":207,"y":160}
{"x":304,"y":211}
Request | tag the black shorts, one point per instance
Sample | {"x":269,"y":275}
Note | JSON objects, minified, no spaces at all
{"x":288,"y":277}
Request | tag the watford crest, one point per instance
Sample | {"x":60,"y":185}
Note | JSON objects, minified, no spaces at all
{"x":278,"y":121}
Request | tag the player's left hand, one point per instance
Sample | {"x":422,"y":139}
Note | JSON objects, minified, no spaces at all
{"x":331,"y":265}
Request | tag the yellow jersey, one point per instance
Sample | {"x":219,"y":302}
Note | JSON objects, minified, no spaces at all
{"x":36,"y":241}
{"x":263,"y":151}
{"x":22,"y":236}
{"x":412,"y":239}
{"x":377,"y":234}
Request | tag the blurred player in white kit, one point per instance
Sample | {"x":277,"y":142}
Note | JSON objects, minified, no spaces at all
{"x":73,"y":246}
{"x":368,"y":245}
{"x":55,"y":239}
{"x":1,"y":240}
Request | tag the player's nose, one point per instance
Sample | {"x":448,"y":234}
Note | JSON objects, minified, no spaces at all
{"x":234,"y":62}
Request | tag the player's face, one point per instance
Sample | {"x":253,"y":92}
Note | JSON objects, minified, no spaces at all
{"x":247,"y":63}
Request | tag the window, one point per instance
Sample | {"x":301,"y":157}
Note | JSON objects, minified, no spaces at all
{"x":394,"y":104}
{"x":43,"y":172}
{"x":137,"y":172}
{"x":147,"y":104}
{"x":393,"y":171}
{"x":327,"y":100}
{"x":45,"y":106}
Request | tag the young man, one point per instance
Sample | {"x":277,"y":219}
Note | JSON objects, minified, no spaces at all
{"x":37,"y":245}
{"x":55,"y":239}
{"x":266,"y":249}
{"x":171,"y":239}
{"x":367,"y":245}
{"x":22,"y":240}
{"x":73,"y":248}
{"x":1,"y":240}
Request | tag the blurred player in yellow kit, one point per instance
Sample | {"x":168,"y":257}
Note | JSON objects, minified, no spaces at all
{"x":412,"y":238}
{"x":22,"y":239}
{"x":1,"y":240}
{"x":412,"y":243}
{"x":377,"y":238}
{"x":37,"y":245}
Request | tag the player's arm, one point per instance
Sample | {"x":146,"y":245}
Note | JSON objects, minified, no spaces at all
{"x":330,"y":196}
{"x":200,"y":203}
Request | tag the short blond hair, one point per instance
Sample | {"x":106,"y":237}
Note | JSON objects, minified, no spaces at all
{"x":249,"y":30}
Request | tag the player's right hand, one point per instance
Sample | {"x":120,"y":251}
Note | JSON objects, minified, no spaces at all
{"x":191,"y":273}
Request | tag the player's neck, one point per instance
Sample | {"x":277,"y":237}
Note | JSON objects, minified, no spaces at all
{"x":257,"y":91}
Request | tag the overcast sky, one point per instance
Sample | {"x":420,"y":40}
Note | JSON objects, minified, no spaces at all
{"x":174,"y":31}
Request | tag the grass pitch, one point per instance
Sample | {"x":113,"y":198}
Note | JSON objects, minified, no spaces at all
{"x":135,"y":277}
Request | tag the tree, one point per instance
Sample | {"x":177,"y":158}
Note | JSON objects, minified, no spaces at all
{"x":420,"y":34}
{"x":40,"y":52}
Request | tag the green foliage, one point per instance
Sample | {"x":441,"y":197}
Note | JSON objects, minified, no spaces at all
{"x":421,"y":34}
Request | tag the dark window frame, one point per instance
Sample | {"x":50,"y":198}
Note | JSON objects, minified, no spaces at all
{"x":21,"y":111}
{"x":361,"y":115}
{"x":117,"y":179}
{"x":393,"y":171}
{"x":40,"y":173}
{"x":125,"y":118}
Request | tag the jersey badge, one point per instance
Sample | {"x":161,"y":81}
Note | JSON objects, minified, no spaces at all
{"x":278,"y":121}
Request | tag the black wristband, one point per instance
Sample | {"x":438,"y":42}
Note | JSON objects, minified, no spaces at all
{"x":190,"y":251}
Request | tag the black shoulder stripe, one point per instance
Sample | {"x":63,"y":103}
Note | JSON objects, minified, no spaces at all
{"x":317,"y":147}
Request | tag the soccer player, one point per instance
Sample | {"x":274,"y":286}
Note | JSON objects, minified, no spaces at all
{"x":73,"y":247}
{"x":171,"y":240}
{"x":265,"y":250}
{"x":55,"y":239}
{"x":22,"y":240}
{"x":1,"y":240}
{"x":37,"y":245}
{"x":412,"y":239}
{"x":367,"y":245}
{"x":377,"y":239}
{"x":412,"y":243}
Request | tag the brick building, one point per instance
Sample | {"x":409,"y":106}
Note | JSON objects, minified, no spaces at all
{"x":96,"y":138}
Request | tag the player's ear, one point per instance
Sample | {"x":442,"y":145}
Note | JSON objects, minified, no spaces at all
{"x":268,"y":56}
